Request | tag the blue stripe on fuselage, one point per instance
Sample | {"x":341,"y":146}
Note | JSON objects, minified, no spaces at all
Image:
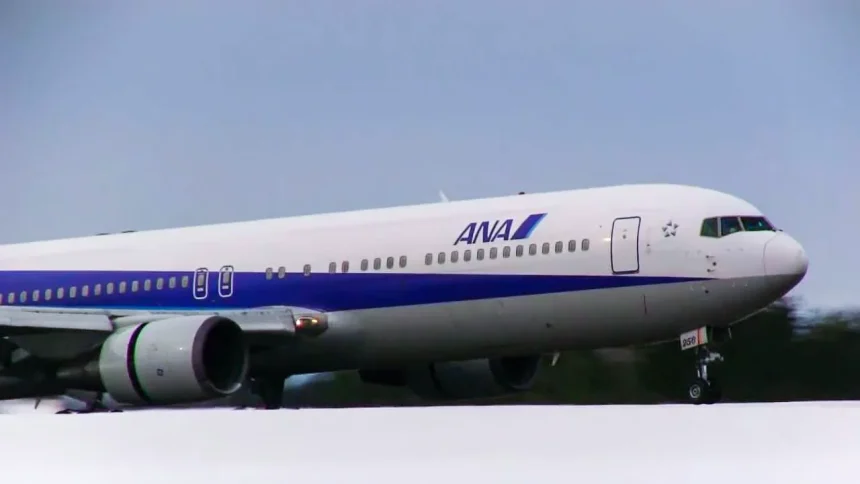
{"x":322,"y":291}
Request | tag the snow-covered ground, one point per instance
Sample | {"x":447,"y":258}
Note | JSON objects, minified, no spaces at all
{"x":48,"y":405}
{"x":761,"y":443}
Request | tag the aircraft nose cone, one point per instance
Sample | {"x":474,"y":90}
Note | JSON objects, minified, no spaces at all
{"x":784,"y":256}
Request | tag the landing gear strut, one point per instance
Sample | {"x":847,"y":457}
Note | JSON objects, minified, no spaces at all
{"x":270,"y":390}
{"x":95,"y":405}
{"x":704,"y":388}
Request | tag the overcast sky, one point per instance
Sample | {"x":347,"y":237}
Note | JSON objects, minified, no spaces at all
{"x":137,"y":115}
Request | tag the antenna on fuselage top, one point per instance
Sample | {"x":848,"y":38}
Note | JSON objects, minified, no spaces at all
{"x":443,"y":197}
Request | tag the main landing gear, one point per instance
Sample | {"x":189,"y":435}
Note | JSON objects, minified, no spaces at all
{"x":704,"y":388}
{"x":269,"y":390}
{"x":96,"y":405}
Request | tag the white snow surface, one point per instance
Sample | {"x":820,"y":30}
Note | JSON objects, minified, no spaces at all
{"x":814,"y":442}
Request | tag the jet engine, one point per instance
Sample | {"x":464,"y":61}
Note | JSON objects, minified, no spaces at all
{"x":460,"y":380}
{"x":177,"y":360}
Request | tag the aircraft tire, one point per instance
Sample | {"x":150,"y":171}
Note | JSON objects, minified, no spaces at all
{"x":703,"y":392}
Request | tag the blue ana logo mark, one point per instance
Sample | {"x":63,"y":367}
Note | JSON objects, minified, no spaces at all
{"x":493,"y":230}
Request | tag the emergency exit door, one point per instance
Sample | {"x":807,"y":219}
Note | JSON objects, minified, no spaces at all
{"x":624,"y":245}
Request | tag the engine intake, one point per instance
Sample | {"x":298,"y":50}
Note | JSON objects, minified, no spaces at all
{"x":178,"y":360}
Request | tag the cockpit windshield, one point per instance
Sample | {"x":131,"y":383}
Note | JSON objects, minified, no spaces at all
{"x":755,"y":224}
{"x":722,"y":226}
{"x":729,"y":225}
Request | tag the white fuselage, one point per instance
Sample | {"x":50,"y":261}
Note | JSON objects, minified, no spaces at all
{"x":398,"y":287}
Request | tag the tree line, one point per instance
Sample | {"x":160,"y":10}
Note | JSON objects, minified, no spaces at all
{"x":777,"y":355}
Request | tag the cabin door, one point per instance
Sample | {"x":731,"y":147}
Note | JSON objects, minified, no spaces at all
{"x":624,"y":245}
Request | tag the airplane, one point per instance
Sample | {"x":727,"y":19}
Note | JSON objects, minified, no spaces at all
{"x":455,"y":300}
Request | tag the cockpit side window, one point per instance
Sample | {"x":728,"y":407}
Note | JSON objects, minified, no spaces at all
{"x":710,"y":228}
{"x":756,"y":224}
{"x":729,"y":225}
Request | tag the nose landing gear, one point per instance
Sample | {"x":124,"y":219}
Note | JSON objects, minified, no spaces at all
{"x":704,"y":389}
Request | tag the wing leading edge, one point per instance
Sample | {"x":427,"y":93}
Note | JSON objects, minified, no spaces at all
{"x":31,"y":327}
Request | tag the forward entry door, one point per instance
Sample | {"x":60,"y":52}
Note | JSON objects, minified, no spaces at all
{"x":624,"y":246}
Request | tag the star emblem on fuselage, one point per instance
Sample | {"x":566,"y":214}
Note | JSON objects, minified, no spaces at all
{"x":670,"y":229}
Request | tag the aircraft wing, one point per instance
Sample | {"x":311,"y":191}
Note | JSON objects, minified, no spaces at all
{"x":33,"y":328}
{"x":15,"y":321}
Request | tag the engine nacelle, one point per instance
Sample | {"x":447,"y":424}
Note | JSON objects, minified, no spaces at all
{"x":178,"y":360}
{"x":460,"y":380}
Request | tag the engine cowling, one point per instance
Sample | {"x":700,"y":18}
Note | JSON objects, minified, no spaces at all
{"x":461,"y":380}
{"x":177,"y":360}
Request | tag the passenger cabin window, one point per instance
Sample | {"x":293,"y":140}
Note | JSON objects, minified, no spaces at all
{"x":585,"y":244}
{"x":428,"y":259}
